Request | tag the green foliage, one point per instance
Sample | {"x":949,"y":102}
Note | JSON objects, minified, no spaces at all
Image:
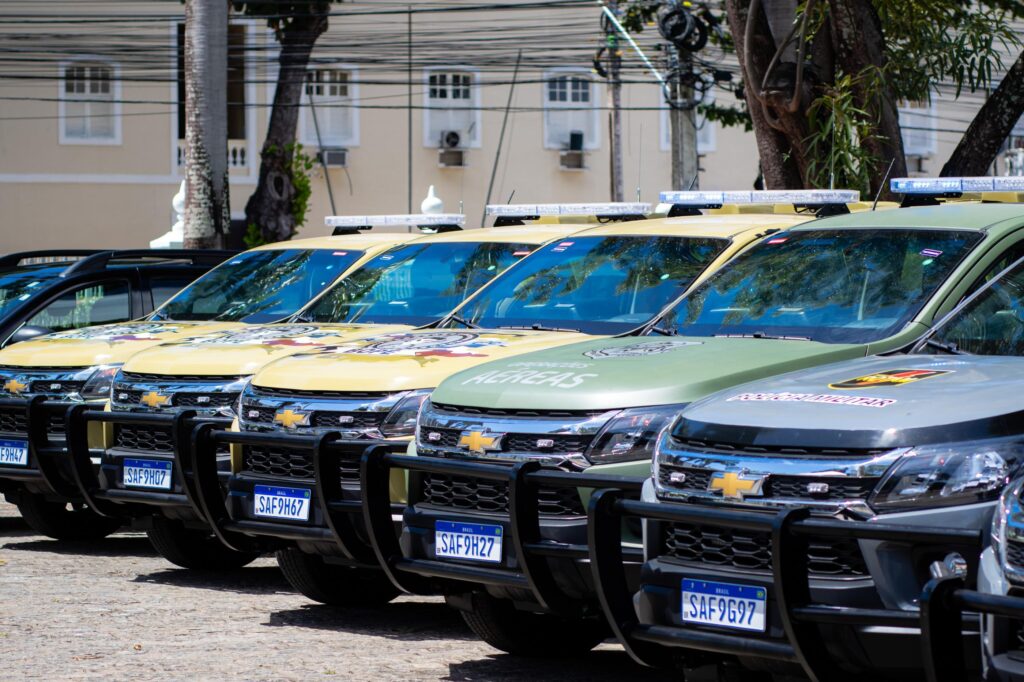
{"x":253,"y":236}
{"x":837,"y":157}
{"x":728,"y":116}
{"x":302,"y":165}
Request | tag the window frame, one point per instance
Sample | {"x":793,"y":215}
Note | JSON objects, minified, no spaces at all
{"x":929,"y":111}
{"x":474,"y":140}
{"x":307,"y":135}
{"x":63,"y":99}
{"x":591,"y":143}
{"x":703,"y":124}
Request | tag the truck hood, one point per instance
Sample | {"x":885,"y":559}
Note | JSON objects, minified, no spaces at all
{"x":104,"y":344}
{"x":244,"y":351}
{"x":403,"y":360}
{"x":877,"y":402}
{"x":631,"y":371}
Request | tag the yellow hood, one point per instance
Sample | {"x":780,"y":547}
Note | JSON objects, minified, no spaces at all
{"x":102,"y":345}
{"x":404,"y":360}
{"x":242,"y":352}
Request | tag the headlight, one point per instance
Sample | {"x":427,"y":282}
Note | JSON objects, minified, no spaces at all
{"x":401,"y":420}
{"x":631,"y":434}
{"x":99,"y":383}
{"x":948,"y":475}
{"x":1008,"y":532}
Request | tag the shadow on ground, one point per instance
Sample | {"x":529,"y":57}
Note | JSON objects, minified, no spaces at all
{"x":116,"y":545}
{"x":249,"y":580}
{"x":10,"y":525}
{"x":605,"y":664}
{"x":413,"y":621}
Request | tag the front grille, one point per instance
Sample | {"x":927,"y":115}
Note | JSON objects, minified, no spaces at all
{"x":461,"y":492}
{"x":204,"y":399}
{"x":1015,"y":554}
{"x":491,"y":412}
{"x":127,"y":396}
{"x":56,"y":426}
{"x":319,"y":419}
{"x":513,"y":442}
{"x":147,"y":438}
{"x":13,"y":421}
{"x":279,"y":462}
{"x":55,"y":387}
{"x":753,"y":550}
{"x":295,"y":393}
{"x":775,"y":486}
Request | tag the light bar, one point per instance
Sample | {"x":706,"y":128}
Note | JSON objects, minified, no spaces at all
{"x":809,"y":197}
{"x":956,"y":185}
{"x":606,"y":209}
{"x":414,"y":219}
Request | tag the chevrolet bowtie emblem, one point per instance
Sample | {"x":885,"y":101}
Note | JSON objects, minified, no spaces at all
{"x":154,"y":399}
{"x":736,"y":485}
{"x":290,"y":419}
{"x":477,"y":441}
{"x":14,"y":386}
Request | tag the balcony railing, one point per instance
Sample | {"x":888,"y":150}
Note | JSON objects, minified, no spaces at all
{"x":238,"y":154}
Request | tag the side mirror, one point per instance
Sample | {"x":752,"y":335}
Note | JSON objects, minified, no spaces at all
{"x":26,"y":332}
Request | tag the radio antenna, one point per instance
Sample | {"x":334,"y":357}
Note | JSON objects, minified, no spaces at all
{"x":882,"y":185}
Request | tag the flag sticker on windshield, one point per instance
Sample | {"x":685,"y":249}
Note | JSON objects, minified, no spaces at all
{"x":778,"y":240}
{"x":890,"y":377}
{"x":931,"y":253}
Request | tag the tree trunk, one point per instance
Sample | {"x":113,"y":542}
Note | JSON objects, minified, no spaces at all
{"x":779,"y":134}
{"x":270,"y":206}
{"x":859,"y":48}
{"x":207,"y":206}
{"x":991,"y":126}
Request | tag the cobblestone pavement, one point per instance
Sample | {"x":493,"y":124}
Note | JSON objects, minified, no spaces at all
{"x":116,"y":610}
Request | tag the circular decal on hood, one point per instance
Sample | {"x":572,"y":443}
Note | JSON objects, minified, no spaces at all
{"x":263,"y":336}
{"x":637,"y":350}
{"x":450,"y":344}
{"x":890,"y":377}
{"x":118,"y":332}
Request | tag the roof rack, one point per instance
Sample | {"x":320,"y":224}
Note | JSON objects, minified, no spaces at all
{"x":16,"y":258}
{"x":825,"y":202}
{"x":427,"y":222}
{"x":928,"y":191}
{"x":518,"y":214}
{"x":101,"y":259}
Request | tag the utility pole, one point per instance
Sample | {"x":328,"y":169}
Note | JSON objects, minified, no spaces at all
{"x":614,"y":104}
{"x":207,"y":205}
{"x":683,"y":123}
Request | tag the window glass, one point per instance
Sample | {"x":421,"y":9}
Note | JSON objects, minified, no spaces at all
{"x":259,"y":286}
{"x":98,"y":303}
{"x":568,"y":109}
{"x":415,"y":283}
{"x":165,"y":286}
{"x":598,"y":285}
{"x":89,"y":101}
{"x":22,"y":284}
{"x":834,"y":286}
{"x":330,"y":92}
{"x":991,"y":324}
{"x":451,"y":107}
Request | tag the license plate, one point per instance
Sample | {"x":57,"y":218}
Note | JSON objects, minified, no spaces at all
{"x":474,"y":541}
{"x":726,"y":605}
{"x":282,"y":503}
{"x":146,"y":473}
{"x":14,"y":452}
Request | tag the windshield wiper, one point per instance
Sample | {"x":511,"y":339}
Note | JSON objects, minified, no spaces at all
{"x":762,"y":335}
{"x":950,"y":347}
{"x":661,"y":330}
{"x":461,"y":320}
{"x":539,"y":328}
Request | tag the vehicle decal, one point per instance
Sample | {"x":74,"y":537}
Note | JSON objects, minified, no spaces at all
{"x":638,"y":350}
{"x":826,"y":398}
{"x":120,"y":332}
{"x":890,"y":377}
{"x":530,"y":377}
{"x":285,"y":335}
{"x":437,"y":344}
{"x":931,"y":253}
{"x":553,"y":365}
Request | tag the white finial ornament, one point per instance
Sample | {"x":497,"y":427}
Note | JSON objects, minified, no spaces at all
{"x":432,"y":204}
{"x":176,"y":237}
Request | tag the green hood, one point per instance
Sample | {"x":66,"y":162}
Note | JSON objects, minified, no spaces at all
{"x":630,"y":372}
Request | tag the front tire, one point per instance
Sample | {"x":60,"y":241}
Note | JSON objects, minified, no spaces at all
{"x":536,"y":635}
{"x":194,"y":548}
{"x":71,"y":521}
{"x":332,"y":584}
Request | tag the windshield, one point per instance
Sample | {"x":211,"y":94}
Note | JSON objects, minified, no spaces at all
{"x":991,"y":324}
{"x":18,"y":286}
{"x":259,"y":286}
{"x":597,"y":285}
{"x":414,"y":284}
{"x":833,"y":286}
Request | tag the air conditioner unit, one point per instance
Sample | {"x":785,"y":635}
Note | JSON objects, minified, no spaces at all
{"x":450,"y":139}
{"x":572,"y":158}
{"x":575,"y":140}
{"x":334,"y":156}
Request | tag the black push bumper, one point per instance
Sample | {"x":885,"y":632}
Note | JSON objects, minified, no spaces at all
{"x":104,"y":489}
{"x":49,"y":470}
{"x":543,"y":556}
{"x":334,"y":527}
{"x":797,"y":620}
